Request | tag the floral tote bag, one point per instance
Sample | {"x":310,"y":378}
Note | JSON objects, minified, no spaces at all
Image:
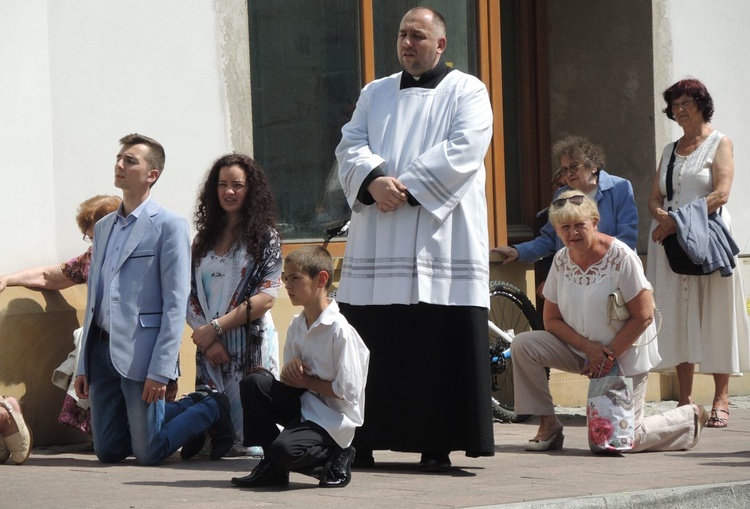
{"x":609,"y":413}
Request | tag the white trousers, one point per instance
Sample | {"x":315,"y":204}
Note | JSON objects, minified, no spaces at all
{"x":532,"y":351}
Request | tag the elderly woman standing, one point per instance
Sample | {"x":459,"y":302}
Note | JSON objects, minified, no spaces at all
{"x":582,"y":168}
{"x":705,"y":319}
{"x":579,"y":338}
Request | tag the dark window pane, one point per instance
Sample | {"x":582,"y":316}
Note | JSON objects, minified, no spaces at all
{"x":305,"y":80}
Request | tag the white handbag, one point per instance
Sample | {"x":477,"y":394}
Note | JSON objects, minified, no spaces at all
{"x":617,"y":308}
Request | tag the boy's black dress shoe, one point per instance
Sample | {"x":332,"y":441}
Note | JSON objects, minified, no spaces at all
{"x":340,"y":472}
{"x":264,"y":474}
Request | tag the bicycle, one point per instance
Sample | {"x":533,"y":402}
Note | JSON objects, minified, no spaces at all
{"x":510,"y":312}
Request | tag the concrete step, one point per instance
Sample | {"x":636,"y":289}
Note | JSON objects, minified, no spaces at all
{"x":570,"y":389}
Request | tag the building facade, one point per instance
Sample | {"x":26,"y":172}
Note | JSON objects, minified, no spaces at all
{"x":277,"y":79}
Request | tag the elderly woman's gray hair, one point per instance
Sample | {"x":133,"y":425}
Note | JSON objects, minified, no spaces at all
{"x":573,"y":205}
{"x":580,"y":149}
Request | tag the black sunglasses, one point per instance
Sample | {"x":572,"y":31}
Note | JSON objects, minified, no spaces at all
{"x":575,"y":200}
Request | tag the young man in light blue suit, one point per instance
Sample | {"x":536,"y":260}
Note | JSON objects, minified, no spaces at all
{"x":138,"y":288}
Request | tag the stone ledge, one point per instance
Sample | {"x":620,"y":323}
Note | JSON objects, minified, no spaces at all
{"x":570,"y":390}
{"x":36,"y":335}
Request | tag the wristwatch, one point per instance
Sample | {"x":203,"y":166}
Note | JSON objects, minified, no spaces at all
{"x":217,"y":327}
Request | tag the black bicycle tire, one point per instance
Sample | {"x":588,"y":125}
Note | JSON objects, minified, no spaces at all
{"x":523,"y":314}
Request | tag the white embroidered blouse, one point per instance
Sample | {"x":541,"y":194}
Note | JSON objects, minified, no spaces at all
{"x":582,"y":299}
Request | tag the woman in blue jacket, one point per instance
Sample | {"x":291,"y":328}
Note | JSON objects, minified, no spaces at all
{"x":582,"y":166}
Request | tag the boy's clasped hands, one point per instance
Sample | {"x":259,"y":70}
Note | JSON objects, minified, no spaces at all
{"x":294,"y":374}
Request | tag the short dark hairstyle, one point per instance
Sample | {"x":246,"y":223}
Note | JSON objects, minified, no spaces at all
{"x":312,"y":260}
{"x":437,"y":19}
{"x":581,"y":149}
{"x":694,"y":89}
{"x":156,"y":156}
{"x":92,"y":210}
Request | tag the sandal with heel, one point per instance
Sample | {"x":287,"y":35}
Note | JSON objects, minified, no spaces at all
{"x":701,"y":419}
{"x":718,"y":422}
{"x":553,"y":443}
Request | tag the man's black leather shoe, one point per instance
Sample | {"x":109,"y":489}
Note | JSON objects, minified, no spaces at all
{"x":435,"y":462}
{"x":364,"y":459}
{"x":340,"y":472}
{"x":193,"y":446}
{"x":222,"y":432}
{"x":264,"y":474}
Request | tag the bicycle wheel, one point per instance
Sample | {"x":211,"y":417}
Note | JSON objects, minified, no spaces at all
{"x":510,"y":309}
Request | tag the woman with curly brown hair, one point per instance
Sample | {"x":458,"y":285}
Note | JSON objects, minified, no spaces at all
{"x":235,"y":279}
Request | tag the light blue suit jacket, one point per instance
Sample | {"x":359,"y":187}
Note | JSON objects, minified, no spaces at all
{"x":149,"y":294}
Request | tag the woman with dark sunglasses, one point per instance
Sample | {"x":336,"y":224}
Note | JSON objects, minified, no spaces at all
{"x":580,"y":338}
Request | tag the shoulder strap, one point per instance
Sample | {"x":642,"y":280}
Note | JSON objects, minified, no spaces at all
{"x":670,"y":169}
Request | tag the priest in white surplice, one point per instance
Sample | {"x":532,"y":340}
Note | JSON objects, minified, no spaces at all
{"x":415,"y":275}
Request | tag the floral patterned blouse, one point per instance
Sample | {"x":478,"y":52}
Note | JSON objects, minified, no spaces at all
{"x":77,"y":269}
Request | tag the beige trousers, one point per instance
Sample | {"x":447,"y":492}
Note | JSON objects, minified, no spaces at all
{"x":673,"y":430}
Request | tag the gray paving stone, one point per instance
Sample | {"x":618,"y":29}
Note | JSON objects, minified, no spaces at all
{"x":716,"y":473}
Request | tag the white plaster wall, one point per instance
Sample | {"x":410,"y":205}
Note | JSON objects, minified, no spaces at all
{"x":77,"y":76}
{"x":710,"y":42}
{"x":27,"y":196}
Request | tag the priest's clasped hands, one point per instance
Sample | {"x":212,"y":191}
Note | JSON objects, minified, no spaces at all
{"x":388,"y":193}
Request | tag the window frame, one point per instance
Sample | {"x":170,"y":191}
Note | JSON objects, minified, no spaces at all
{"x":533,"y":123}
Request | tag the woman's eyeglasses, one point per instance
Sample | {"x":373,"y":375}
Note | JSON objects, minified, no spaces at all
{"x":575,"y":200}
{"x":682,"y":104}
{"x":573,"y":168}
{"x":86,"y":238}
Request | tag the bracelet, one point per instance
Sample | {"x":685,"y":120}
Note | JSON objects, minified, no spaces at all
{"x":217,"y":327}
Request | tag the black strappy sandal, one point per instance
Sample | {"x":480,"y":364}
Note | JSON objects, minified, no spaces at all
{"x":718,"y":422}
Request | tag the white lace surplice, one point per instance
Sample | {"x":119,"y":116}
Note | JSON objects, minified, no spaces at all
{"x":582,"y":299}
{"x":705,"y":320}
{"x":434,"y":141}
